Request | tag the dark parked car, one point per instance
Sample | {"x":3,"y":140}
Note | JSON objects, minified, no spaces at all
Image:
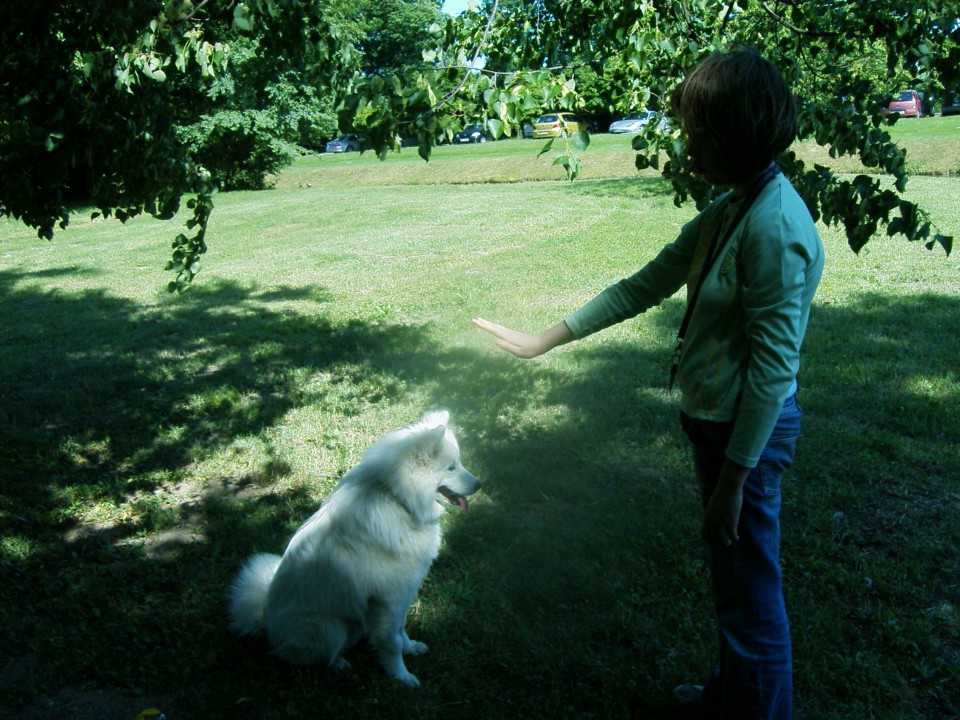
{"x":951,"y":105}
{"x":472,"y":134}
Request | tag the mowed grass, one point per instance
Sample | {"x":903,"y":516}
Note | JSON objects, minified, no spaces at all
{"x":149,"y":443}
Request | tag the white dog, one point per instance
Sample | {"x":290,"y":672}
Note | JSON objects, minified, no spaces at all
{"x":353,"y":569}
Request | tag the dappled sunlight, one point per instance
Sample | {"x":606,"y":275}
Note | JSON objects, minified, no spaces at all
{"x":944,"y":390}
{"x":182,"y":437}
{"x":125,"y":391}
{"x":155,"y":447}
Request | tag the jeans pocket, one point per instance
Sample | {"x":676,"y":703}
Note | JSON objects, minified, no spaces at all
{"x":777,"y":456}
{"x":789,"y":421}
{"x":775,"y":460}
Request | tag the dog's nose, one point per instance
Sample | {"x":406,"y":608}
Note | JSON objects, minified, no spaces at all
{"x":473,"y":482}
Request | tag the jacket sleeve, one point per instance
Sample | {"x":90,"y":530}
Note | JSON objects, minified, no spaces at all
{"x":774,"y":264}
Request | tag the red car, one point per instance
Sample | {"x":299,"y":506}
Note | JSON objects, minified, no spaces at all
{"x":909,"y":103}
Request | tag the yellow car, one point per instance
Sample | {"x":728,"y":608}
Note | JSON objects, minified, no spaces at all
{"x":560,"y":124}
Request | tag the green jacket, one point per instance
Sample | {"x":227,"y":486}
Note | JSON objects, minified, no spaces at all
{"x":741,"y":353}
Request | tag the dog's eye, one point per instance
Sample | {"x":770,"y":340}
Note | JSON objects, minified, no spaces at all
{"x":453,"y":466}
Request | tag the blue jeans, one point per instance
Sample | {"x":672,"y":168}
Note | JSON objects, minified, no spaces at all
{"x":755,"y":678}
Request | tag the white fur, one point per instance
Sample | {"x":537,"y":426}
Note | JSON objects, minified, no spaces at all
{"x":353,"y":569}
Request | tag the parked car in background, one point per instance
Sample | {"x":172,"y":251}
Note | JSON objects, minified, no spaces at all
{"x":472,"y":134}
{"x":560,"y":124}
{"x":351,"y":142}
{"x":951,"y":105}
{"x":527,"y":128}
{"x":909,"y":103}
{"x":637,"y":122}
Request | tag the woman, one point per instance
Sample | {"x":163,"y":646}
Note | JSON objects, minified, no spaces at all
{"x":751,"y":262}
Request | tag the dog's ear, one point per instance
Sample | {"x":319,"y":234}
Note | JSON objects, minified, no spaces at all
{"x":433,"y":440}
{"x":436,"y":417}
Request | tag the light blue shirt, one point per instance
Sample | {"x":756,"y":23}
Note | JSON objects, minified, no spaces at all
{"x":741,"y":354}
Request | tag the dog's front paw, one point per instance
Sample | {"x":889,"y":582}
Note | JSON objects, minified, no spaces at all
{"x":412,"y":647}
{"x":394,"y":667}
{"x":408,"y":679}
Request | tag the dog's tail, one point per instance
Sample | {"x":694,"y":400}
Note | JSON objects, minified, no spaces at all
{"x":248,"y":595}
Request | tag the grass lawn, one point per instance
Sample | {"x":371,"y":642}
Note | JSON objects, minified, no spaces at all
{"x":149,"y":444}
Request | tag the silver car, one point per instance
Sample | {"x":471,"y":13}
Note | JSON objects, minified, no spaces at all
{"x":637,"y":122}
{"x":348,"y":143}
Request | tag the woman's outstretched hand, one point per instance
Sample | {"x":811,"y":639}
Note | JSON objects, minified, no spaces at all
{"x":524,"y":345}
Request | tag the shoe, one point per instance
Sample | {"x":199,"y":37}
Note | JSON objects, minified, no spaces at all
{"x":688,"y":695}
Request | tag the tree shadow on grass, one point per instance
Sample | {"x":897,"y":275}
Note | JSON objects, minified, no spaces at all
{"x":122,"y":391}
{"x":101,"y":400}
{"x":104,"y":399}
{"x":573,"y":588}
{"x":873,"y":547}
{"x":587,"y":556}
{"x":635,"y":188}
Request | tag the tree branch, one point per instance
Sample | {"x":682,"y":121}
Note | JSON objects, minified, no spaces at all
{"x":790,"y":26}
{"x":508,"y":72}
{"x":483,"y":41}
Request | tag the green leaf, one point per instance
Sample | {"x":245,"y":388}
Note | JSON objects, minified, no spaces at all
{"x":53,"y":140}
{"x":241,"y":21}
{"x":945,"y":241}
{"x":580,"y":140}
{"x":546,"y":148}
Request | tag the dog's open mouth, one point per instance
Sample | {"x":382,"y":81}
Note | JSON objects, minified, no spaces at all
{"x":454,"y":499}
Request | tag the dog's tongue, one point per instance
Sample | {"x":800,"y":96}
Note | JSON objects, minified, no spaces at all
{"x":453,"y":497}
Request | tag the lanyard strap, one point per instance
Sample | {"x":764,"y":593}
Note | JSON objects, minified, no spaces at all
{"x":713,"y":253}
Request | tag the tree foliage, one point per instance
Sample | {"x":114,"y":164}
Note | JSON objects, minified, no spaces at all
{"x":253,"y":123}
{"x":844,"y":59}
{"x":136,"y":104}
{"x":95,"y":95}
{"x":390,"y":35}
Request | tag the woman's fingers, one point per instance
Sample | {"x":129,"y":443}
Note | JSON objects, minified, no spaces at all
{"x":516,"y":343}
{"x":497,"y":330}
{"x":489,"y":326}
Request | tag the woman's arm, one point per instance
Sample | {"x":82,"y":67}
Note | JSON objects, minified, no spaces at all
{"x":524,"y":345}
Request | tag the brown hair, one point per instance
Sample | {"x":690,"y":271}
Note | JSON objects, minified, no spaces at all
{"x":739,"y":103}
